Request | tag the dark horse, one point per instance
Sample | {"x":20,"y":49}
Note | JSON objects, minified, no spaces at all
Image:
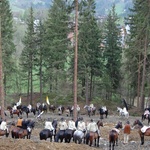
{"x":27,"y":111}
{"x":90,"y":137}
{"x":41,"y":107}
{"x":143,"y":131}
{"x":52,"y":108}
{"x":18,"y":112}
{"x":103,"y":111}
{"x":113,"y":135}
{"x":46,"y":133}
{"x":146,"y":115}
{"x":68,"y":135}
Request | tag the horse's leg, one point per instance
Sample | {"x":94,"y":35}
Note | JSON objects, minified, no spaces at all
{"x":142,"y":139}
{"x":116,"y":141}
{"x":109,"y":145}
{"x":98,"y":141}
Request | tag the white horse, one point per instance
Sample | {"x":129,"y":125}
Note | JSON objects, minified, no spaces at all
{"x":123,"y":112}
{"x":78,"y":136}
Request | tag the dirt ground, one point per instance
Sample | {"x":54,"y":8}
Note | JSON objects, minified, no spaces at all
{"x":34,"y":143}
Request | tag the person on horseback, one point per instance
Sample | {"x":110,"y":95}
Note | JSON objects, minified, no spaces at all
{"x":92,"y":127}
{"x":71,"y":125}
{"x":3,"y":125}
{"x":81,"y":125}
{"x":14,"y":108}
{"x":62,"y":125}
{"x":19,"y":122}
{"x":30,"y":107}
{"x":48,"y":125}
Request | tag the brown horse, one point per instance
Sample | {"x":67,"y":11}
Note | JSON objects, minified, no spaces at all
{"x":144,"y":133}
{"x":18,"y":112}
{"x":113,"y":136}
{"x":4,"y":132}
{"x":90,"y":137}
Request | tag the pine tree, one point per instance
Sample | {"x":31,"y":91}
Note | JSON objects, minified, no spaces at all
{"x":28,"y":53}
{"x":89,"y":54}
{"x":8,"y":47}
{"x":139,"y":44}
{"x":56,"y":42}
{"x":112,"y":52}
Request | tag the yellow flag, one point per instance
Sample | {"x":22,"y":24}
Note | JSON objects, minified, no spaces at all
{"x":47,"y":100}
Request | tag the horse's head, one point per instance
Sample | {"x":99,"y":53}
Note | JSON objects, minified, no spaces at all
{"x":99,"y":123}
{"x":119,"y":109}
{"x":137,"y":122}
{"x":119,"y":125}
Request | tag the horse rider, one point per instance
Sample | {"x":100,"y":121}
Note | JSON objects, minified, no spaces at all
{"x":30,"y":107}
{"x":19,"y":122}
{"x":92,"y":127}
{"x":146,"y":112}
{"x":71,"y":125}
{"x":3,"y":125}
{"x":14,"y":108}
{"x":48,"y":125}
{"x":91,"y":106}
{"x":62,"y":126}
{"x":81,"y":125}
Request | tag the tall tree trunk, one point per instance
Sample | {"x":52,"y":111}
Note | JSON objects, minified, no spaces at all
{"x":139,"y":77}
{"x":91,"y":85}
{"x":28,"y":86}
{"x":31,"y":82}
{"x":75,"y":61}
{"x":87,"y":90}
{"x":1,"y":77}
{"x":41,"y":86}
{"x":143,"y":75}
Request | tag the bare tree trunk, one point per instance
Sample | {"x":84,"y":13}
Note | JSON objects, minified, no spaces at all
{"x":1,"y":78}
{"x":139,"y":77}
{"x":75,"y":62}
{"x":143,"y":75}
{"x":41,"y":86}
{"x":87,"y":90}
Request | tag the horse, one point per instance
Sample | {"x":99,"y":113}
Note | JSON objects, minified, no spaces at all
{"x":4,"y":132}
{"x":113,"y":136}
{"x":41,"y":107}
{"x":90,"y":137}
{"x":46,"y":133}
{"x":123,"y":112}
{"x":27,"y":110}
{"x":103,"y":110}
{"x":60,"y":110}
{"x":52,"y":108}
{"x":71,"y":108}
{"x":68,"y":135}
{"x":22,"y":132}
{"x":143,"y":130}
{"x":78,"y":136}
{"x":146,"y":115}
{"x":90,"y":110}
{"x":18,"y":112}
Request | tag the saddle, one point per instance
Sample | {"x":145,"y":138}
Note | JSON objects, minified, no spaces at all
{"x":144,"y":128}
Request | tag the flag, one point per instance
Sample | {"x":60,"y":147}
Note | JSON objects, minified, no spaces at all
{"x":47,"y":100}
{"x":20,"y":100}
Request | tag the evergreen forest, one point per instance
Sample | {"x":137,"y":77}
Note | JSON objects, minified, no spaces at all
{"x":37,"y":52}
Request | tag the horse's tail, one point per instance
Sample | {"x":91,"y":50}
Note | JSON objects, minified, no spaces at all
{"x":111,"y":137}
{"x":42,"y":136}
{"x":87,"y":138}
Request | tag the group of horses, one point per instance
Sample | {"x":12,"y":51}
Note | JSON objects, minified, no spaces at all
{"x":19,"y":132}
{"x":67,"y":135}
